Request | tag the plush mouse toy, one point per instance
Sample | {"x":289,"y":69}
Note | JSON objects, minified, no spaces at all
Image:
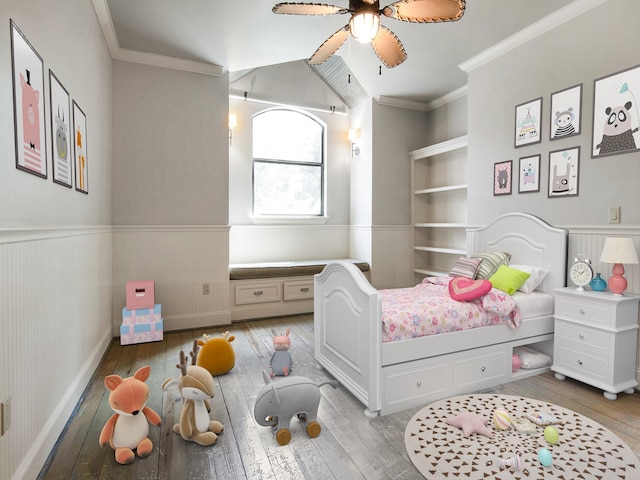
{"x":128,"y":428}
{"x":281,"y":361}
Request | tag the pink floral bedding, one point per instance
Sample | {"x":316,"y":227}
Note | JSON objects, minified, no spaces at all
{"x":428,"y":309}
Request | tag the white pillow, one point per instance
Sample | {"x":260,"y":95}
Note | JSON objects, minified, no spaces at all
{"x":536,"y":276}
{"x":532,"y":358}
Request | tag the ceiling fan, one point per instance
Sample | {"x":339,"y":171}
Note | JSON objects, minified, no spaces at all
{"x":365,"y":25}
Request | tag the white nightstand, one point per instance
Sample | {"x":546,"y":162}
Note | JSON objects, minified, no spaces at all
{"x":595,"y":339}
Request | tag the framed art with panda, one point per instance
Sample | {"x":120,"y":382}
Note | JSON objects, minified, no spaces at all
{"x":616,"y":113}
{"x":566,"y":113}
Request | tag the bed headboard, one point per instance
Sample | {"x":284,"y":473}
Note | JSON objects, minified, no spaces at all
{"x":529,"y":240}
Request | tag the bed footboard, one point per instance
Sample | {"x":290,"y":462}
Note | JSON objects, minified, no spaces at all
{"x":347,"y":312}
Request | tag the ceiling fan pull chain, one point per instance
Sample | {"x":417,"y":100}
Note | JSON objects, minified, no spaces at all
{"x":245,"y":96}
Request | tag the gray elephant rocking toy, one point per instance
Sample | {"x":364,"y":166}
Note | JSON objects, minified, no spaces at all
{"x":279,"y":401}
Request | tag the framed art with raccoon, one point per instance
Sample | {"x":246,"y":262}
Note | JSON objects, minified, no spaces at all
{"x":616,"y":113}
{"x":566,"y":113}
{"x":563,"y":172}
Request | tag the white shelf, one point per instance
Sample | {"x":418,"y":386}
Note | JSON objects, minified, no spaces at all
{"x":447,"y":188}
{"x":440,"y":225}
{"x":430,"y":272}
{"x":438,"y":148}
{"x":452,"y":251}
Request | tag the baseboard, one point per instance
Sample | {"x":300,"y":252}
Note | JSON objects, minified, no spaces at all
{"x":188,"y":322}
{"x":44,"y":443}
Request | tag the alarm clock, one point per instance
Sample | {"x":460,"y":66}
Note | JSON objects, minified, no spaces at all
{"x":581,"y":272}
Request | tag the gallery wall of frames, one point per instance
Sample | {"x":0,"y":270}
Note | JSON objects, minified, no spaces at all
{"x":66,"y":123}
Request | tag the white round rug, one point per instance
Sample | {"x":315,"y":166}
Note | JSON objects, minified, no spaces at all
{"x":586,"y":450}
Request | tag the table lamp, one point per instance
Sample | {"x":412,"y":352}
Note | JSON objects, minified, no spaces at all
{"x":618,"y":250}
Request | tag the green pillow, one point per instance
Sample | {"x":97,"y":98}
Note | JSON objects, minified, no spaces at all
{"x":508,"y":279}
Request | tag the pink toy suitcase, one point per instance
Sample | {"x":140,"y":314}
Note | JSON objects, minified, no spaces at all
{"x":140,"y":294}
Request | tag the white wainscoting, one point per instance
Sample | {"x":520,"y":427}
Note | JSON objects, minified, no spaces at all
{"x":55,"y":326}
{"x":180,"y":259}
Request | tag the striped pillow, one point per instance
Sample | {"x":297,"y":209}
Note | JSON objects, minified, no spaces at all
{"x":465,"y":267}
{"x":490,"y":263}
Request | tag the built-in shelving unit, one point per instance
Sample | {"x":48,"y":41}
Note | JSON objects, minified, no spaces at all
{"x":439,"y":206}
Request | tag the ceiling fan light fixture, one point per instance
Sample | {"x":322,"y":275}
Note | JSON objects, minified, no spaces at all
{"x":364,"y":26}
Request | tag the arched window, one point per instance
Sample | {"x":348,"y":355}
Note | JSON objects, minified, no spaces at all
{"x":288,"y":164}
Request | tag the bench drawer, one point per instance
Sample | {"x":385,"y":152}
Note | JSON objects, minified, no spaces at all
{"x":257,"y":293}
{"x":298,"y":290}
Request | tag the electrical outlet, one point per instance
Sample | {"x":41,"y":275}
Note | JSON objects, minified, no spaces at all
{"x":5,"y":415}
{"x":206,"y":289}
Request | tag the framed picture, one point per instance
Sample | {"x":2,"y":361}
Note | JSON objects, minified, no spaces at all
{"x":502,"y":176}
{"x":616,"y":117}
{"x":566,"y":112}
{"x":61,"y":150}
{"x":529,"y":180}
{"x":80,"y":149}
{"x":563,"y":172}
{"x":528,"y":123}
{"x":28,"y":105}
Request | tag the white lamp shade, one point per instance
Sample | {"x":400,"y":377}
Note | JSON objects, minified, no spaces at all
{"x":233,"y":121}
{"x":619,"y":250}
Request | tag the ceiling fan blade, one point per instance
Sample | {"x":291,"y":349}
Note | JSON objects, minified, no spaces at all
{"x":388,"y":47}
{"x":307,"y":9}
{"x":329,"y":47}
{"x":426,"y":11}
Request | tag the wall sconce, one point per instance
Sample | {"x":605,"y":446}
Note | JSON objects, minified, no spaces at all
{"x":354,"y":136}
{"x":233,"y":123}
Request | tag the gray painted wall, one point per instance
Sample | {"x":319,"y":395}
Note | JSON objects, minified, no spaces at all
{"x":80,"y":60}
{"x":170,"y":152}
{"x":600,"y":42}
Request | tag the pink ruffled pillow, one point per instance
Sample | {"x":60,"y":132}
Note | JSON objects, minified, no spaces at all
{"x":463,"y":289}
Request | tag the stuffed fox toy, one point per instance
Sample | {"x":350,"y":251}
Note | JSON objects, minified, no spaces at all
{"x":128,"y":428}
{"x":196,"y":386}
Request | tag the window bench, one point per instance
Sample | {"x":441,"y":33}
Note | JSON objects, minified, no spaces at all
{"x":271,"y":289}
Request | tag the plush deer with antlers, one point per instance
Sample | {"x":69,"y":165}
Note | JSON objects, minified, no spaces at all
{"x":196,"y":386}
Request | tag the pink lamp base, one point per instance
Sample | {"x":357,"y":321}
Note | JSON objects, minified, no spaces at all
{"x":617,"y":283}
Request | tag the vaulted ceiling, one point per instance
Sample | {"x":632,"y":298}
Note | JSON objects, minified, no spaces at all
{"x":215,"y":36}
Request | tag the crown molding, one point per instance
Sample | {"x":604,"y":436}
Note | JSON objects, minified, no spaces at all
{"x":425,"y":107}
{"x":542,"y":26}
{"x":117,"y":53}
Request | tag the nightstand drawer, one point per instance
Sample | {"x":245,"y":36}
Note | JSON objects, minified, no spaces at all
{"x":584,"y":310}
{"x":257,"y":293}
{"x":582,"y":339}
{"x":581,"y":363}
{"x":301,"y":290}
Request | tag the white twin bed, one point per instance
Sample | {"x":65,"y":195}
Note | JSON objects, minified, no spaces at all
{"x":391,"y":376}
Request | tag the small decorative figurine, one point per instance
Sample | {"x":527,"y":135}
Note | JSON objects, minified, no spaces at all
{"x":281,"y":361}
{"x":513,"y":462}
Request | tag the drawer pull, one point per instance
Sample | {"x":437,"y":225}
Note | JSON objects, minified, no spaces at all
{"x":483,"y":368}
{"x":258,"y":293}
{"x":582,"y":311}
{"x":579,"y":362}
{"x":581,"y":336}
{"x":418,"y":383}
{"x":304,"y":289}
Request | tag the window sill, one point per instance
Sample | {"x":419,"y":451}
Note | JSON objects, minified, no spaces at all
{"x":289,"y":220}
